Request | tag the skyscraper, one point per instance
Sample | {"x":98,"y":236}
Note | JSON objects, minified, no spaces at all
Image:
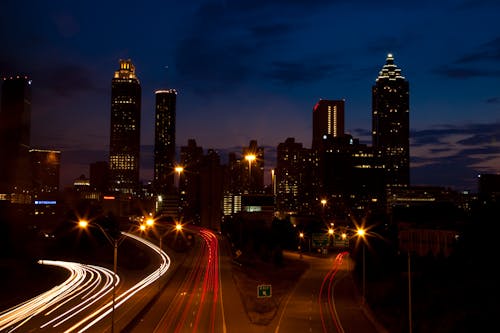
{"x":124,"y":146}
{"x":164,"y":149}
{"x":294,"y":177}
{"x":45,"y":166}
{"x":15,"y":133}
{"x":391,"y":123}
{"x":328,"y":119}
{"x":191,"y":157}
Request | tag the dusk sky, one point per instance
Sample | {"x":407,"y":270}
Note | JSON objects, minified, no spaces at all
{"x":254,"y":70}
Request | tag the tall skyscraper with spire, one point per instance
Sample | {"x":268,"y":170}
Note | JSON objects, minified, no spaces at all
{"x":391,"y":123}
{"x":328,"y":119}
{"x":15,"y":134}
{"x":125,"y":133}
{"x":164,"y":149}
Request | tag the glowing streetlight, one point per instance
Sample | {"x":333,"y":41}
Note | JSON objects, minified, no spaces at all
{"x":250,"y":158}
{"x":178,"y":227}
{"x":179,"y":169}
{"x":301,"y":236}
{"x":361,"y":233}
{"x":273,"y":181}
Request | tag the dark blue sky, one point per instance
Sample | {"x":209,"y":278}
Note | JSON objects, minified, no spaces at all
{"x":254,"y":70}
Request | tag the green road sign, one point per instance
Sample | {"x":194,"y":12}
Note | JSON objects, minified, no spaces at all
{"x":339,"y":242}
{"x":264,"y":290}
{"x":319,"y":240}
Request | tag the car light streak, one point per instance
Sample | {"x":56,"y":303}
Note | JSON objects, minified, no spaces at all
{"x":17,"y":316}
{"x":197,"y":307}
{"x":108,"y":287}
{"x":87,"y":285}
{"x":331,"y":306}
{"x":122,"y":298}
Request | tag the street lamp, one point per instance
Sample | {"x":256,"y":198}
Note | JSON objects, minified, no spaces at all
{"x":150,"y":223}
{"x":83,"y":224}
{"x":409,"y":294}
{"x":301,"y":236}
{"x":330,"y":233}
{"x":250,"y":158}
{"x":361,"y":233}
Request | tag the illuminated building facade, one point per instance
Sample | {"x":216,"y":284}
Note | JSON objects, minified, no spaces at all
{"x":391,"y":123}
{"x":352,"y":175}
{"x":164,"y":149}
{"x":15,"y":133}
{"x":328,"y":119}
{"x":124,"y":146}
{"x":295,"y":185}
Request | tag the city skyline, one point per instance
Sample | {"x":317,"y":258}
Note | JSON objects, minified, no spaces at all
{"x":242,"y":79}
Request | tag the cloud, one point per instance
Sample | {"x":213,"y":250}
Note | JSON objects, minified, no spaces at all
{"x":455,"y":72}
{"x":493,"y":100}
{"x":290,"y":73}
{"x":67,"y":80}
{"x":471,"y":65}
{"x":453,"y":156}
{"x":489,"y":51}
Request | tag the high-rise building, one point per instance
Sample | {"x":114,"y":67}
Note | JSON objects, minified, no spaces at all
{"x":294,"y":178}
{"x":15,"y":132}
{"x":351,"y":175}
{"x":191,"y":157}
{"x":99,"y":176}
{"x":45,"y":166}
{"x":211,"y":190}
{"x":124,"y":146}
{"x":391,"y":123}
{"x":328,"y":119}
{"x":164,"y":149}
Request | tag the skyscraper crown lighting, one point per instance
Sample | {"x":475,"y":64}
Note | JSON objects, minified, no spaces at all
{"x":390,"y":70}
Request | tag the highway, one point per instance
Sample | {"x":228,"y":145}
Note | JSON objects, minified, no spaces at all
{"x":192,"y":300}
{"x":192,"y":292}
{"x":324,"y":300}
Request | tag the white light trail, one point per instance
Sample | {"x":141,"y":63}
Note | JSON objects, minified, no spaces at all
{"x":85,"y":282}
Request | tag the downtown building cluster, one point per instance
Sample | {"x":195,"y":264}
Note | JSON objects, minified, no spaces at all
{"x":336,"y":177}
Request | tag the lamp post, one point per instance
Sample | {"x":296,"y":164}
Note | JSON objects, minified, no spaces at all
{"x":179,"y":169}
{"x":250,"y":158}
{"x":301,"y":236}
{"x":361,"y":233}
{"x":330,"y":233}
{"x":409,"y":295}
{"x":273,"y":181}
{"x":83,"y":224}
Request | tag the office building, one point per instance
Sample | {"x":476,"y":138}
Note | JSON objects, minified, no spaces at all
{"x":15,"y":133}
{"x":295,"y":178}
{"x":45,"y":167}
{"x":125,"y":133}
{"x":164,"y":147}
{"x":391,"y":123}
{"x":191,"y":157}
{"x":211,"y":190}
{"x":99,"y":176}
{"x":328,"y":119}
